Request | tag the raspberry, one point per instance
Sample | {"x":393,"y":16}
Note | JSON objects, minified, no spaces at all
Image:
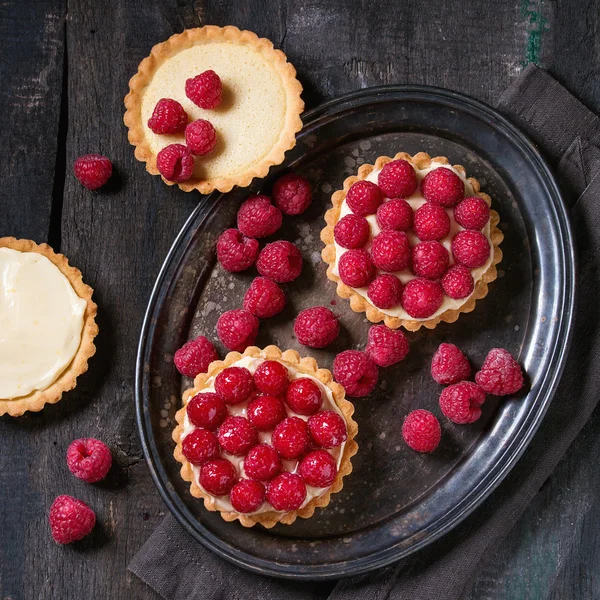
{"x":280,"y":261}
{"x":327,"y":429}
{"x":92,"y":170}
{"x":168,"y":117}
{"x":429,"y":260}
{"x":363,"y":198}
{"x":385,"y":291}
{"x":89,"y":459}
{"x":460,"y":402}
{"x":200,"y":137}
{"x":175,"y":163}
{"x":356,"y":372}
{"x":258,"y":218}
{"x":205,"y":89}
{"x":235,"y":251}
{"x":470,"y":248}
{"x":304,"y":396}
{"x":421,"y":431}
{"x":472,"y":213}
{"x":398,"y":179}
{"x":264,"y":298}
{"x":290,"y":438}
{"x":316,"y":327}
{"x":200,"y":445}
{"x":395,"y":214}
{"x":422,"y":297}
{"x":442,"y":186}
{"x":236,"y":435}
{"x":391,"y":250}
{"x":449,"y":365}
{"x":237,"y":329}
{"x":247,"y":496}
{"x":318,"y":468}
{"x":262,"y":463}
{"x":195,"y":356}
{"x":217,"y":476}
{"x":206,"y":410}
{"x":431,"y":222}
{"x":352,"y":231}
{"x":271,"y":377}
{"x":292,"y":194}
{"x":500,"y":374}
{"x":70,"y":519}
{"x":234,"y":384}
{"x":356,"y":268}
{"x":265,"y":412}
{"x":286,"y":492}
{"x":385,"y":346}
{"x":458,"y":282}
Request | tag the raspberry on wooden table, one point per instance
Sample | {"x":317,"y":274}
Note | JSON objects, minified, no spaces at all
{"x":395,"y":214}
{"x":461,"y":402}
{"x":316,"y":327}
{"x":363,"y":198}
{"x":200,"y":445}
{"x":470,"y":248}
{"x":390,"y":250}
{"x":262,"y":463}
{"x":271,"y":377}
{"x":385,"y":291}
{"x":421,"y":431}
{"x":237,"y":329}
{"x":218,"y":476}
{"x":385,"y":346}
{"x":280,"y":261}
{"x":286,"y":492}
{"x":195,"y":356}
{"x":235,"y":251}
{"x":327,"y":429}
{"x":398,"y":179}
{"x":70,"y":519}
{"x":204,"y":90}
{"x":356,"y":268}
{"x":318,"y":468}
{"x":234,"y":384}
{"x":258,"y":218}
{"x":264,"y":412}
{"x":356,"y":372}
{"x":472,"y":213}
{"x":264,"y":298}
{"x":458,"y":282}
{"x":352,"y":231}
{"x":304,"y":396}
{"x":200,"y":137}
{"x":442,"y":186}
{"x":290,"y":438}
{"x":292,"y":194}
{"x":449,"y":365}
{"x":500,"y":374}
{"x":429,"y":260}
{"x":89,"y":459}
{"x":431,"y":222}
{"x":175,"y":163}
{"x":92,"y":170}
{"x":237,"y":435}
{"x":247,"y":496}
{"x":207,"y":410}
{"x":421,"y":298}
{"x":168,"y":117}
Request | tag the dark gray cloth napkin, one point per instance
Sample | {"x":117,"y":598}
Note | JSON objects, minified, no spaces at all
{"x":178,"y":568}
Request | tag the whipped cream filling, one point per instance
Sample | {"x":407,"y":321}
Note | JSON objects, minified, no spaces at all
{"x":415,"y":201}
{"x":251,"y":363}
{"x":41,"y":320}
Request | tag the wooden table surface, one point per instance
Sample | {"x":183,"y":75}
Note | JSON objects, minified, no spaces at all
{"x":64,"y":68}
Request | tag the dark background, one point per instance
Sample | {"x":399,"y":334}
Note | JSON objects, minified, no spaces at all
{"x":64,"y":68}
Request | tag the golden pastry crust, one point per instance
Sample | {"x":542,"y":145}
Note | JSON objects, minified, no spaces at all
{"x":202,"y":35}
{"x":358,"y":303}
{"x":36,"y":400}
{"x":305,"y":365}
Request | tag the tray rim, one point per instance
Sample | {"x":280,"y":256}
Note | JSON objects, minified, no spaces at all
{"x":240,"y":558}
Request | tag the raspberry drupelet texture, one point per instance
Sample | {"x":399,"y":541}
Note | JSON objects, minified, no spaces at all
{"x":92,"y":170}
{"x":442,"y":186}
{"x":449,"y":365}
{"x":205,"y":89}
{"x":421,"y":298}
{"x":262,"y":463}
{"x":286,"y":492}
{"x":235,"y":251}
{"x":168,"y":117}
{"x":290,"y":438}
{"x":218,"y":476}
{"x":431,"y":222}
{"x":292,"y":194}
{"x":363,"y":198}
{"x":207,"y":410}
{"x":234,"y":385}
{"x":271,"y":377}
{"x":500,"y":374}
{"x":280,"y":261}
{"x":458,"y":282}
{"x":461,"y":402}
{"x":70,"y":519}
{"x":318,"y":468}
{"x":356,"y":372}
{"x":470,"y":248}
{"x":395,"y":214}
{"x":304,"y":396}
{"x":258,"y":218}
{"x":175,"y":163}
{"x":237,"y":435}
{"x":385,"y":346}
{"x":237,"y":329}
{"x":421,"y":431}
{"x":352,"y":231}
{"x":390,"y":250}
{"x":385,"y":291}
{"x":264,"y":298}
{"x":356,"y":268}
{"x":200,"y":137}
{"x":247,"y":496}
{"x":264,"y":412}
{"x":89,"y":459}
{"x":316,"y":327}
{"x":398,"y":179}
{"x":200,"y":445}
{"x":327,"y":429}
{"x":429,"y":260}
{"x":472,"y":213}
{"x":195,"y":356}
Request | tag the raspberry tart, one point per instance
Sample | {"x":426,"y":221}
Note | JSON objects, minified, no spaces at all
{"x":411,"y":241}
{"x":213,"y":107}
{"x":47,"y":326}
{"x":265,"y":437}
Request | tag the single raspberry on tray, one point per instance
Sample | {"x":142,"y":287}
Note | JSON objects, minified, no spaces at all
{"x":175,"y":163}
{"x":327,"y":429}
{"x":470,"y":248}
{"x":286,"y":492}
{"x":449,"y":365}
{"x":356,"y":372}
{"x":262,"y":463}
{"x":70,"y":519}
{"x":316,"y":327}
{"x":200,"y":137}
{"x":168,"y":117}
{"x":385,"y":346}
{"x":280,"y":261}
{"x":458,"y":282}
{"x":207,"y":410}
{"x":461,"y":402}
{"x":472,"y":213}
{"x":247,"y":496}
{"x":318,"y":468}
{"x":431,"y":222}
{"x":258,"y":218}
{"x":218,"y":476}
{"x":429,"y":260}
{"x":205,"y":89}
{"x":92,"y":170}
{"x":234,"y":384}
{"x":398,"y":179}
{"x":390,"y":250}
{"x":356,"y":268}
{"x":237,"y":329}
{"x":395,"y":214}
{"x":271,"y":377}
{"x":235,"y":251}
{"x":292,"y":194}
{"x":304,"y":396}
{"x":442,"y":186}
{"x":89,"y":459}
{"x":385,"y":291}
{"x":264,"y":298}
{"x":200,"y":445}
{"x":352,"y":231}
{"x":237,"y":435}
{"x":264,"y":412}
{"x":290,"y":438}
{"x":421,"y":298}
{"x":195,"y":356}
{"x":421,"y":431}
{"x":500,"y":374}
{"x":363,"y":198}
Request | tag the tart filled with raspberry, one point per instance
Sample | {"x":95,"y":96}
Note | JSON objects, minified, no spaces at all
{"x":411,"y":241}
{"x":265,"y":437}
